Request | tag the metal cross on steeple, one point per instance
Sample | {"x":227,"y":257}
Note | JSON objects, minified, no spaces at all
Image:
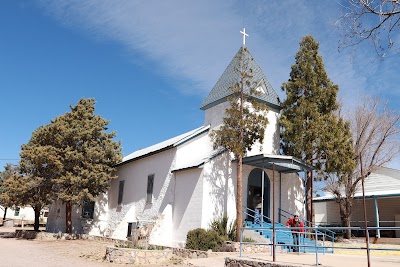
{"x":244,"y":36}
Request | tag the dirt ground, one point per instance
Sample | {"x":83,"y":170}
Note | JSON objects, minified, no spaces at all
{"x":66,"y":253}
{"x":22,"y":252}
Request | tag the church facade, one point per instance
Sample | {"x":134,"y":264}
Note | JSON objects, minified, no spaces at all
{"x":184,"y":183}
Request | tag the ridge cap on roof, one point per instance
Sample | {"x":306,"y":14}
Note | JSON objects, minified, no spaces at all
{"x":171,"y":142}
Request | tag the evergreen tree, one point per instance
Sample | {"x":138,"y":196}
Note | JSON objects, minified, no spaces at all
{"x":9,"y":170}
{"x":244,"y":123}
{"x":311,"y":130}
{"x":88,"y":155}
{"x":38,"y":167}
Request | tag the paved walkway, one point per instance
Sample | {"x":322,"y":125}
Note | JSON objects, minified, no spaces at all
{"x":306,"y":260}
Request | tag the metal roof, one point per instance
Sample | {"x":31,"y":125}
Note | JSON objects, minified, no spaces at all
{"x":283,"y":164}
{"x":221,"y":90}
{"x":197,"y":163}
{"x":383,"y":182}
{"x":170,"y":143}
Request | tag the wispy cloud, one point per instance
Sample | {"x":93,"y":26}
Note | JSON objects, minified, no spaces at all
{"x":193,"y":41}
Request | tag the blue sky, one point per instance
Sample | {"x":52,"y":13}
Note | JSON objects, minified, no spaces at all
{"x":150,"y":64}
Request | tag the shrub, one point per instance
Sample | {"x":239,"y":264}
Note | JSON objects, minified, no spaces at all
{"x":200,"y":239}
{"x":220,"y":225}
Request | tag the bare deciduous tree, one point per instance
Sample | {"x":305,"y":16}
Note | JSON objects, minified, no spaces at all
{"x":376,"y":21}
{"x":376,"y":135}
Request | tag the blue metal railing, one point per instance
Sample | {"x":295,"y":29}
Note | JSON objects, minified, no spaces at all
{"x":315,"y":231}
{"x":283,"y":229}
{"x":284,"y":212}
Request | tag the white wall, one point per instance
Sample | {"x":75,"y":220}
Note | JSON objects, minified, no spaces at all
{"x":214,"y":115}
{"x":193,"y":151}
{"x":57,"y":218}
{"x":25,"y":213}
{"x":219,"y":192}
{"x":292,"y":199}
{"x":188,"y":203}
{"x":320,"y":213}
{"x":271,"y":136}
{"x":134,"y":207}
{"x":98,"y":226}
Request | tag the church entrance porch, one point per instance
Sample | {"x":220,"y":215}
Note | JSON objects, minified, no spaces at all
{"x":255,"y":194}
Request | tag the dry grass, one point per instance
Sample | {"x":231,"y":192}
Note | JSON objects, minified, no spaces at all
{"x":363,"y":251}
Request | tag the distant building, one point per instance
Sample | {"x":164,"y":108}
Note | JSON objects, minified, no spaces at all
{"x":183,"y":183}
{"x":382,"y":192}
{"x":25,"y":215}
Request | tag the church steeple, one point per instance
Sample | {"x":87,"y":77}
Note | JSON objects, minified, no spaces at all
{"x":221,"y":89}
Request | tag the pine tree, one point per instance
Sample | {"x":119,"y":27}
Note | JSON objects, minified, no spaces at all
{"x":244,"y":123}
{"x":311,"y":130}
{"x":88,"y":155}
{"x":9,"y":170}
{"x":38,"y":167}
{"x":72,"y":159}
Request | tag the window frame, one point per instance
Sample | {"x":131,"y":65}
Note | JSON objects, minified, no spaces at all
{"x":150,"y":188}
{"x":120,"y":192}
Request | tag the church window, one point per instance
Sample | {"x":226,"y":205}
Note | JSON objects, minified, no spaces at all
{"x":87,"y":209}
{"x":150,"y":184}
{"x":120,"y":191}
{"x":16,"y":211}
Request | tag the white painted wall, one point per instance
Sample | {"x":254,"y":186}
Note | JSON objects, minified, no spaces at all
{"x":188,"y":204}
{"x":57,"y":218}
{"x":193,"y":151}
{"x":320,"y":213}
{"x":271,"y":136}
{"x":219,"y":192}
{"x":214,"y":115}
{"x":98,"y":226}
{"x":292,"y":198}
{"x":25,"y":213}
{"x":134,"y":207}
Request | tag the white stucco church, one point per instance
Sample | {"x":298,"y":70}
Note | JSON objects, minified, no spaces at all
{"x":183,"y":183}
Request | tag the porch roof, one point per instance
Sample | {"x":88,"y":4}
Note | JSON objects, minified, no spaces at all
{"x":283,"y":164}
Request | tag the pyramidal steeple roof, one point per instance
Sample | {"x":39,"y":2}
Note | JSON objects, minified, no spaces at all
{"x":221,"y":89}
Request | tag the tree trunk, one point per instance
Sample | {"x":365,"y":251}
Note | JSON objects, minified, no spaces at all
{"x":309,"y":192}
{"x":239,"y":198}
{"x":37,"y":217}
{"x":5,"y":214}
{"x":345,"y":211}
{"x":68,"y":218}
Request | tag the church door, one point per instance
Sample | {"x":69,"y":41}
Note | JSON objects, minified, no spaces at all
{"x":254,"y":187}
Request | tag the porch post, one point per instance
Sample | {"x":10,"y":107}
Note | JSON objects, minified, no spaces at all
{"x":280,"y":197}
{"x":305,"y":195}
{"x":262,"y":197}
{"x":273,"y":213}
{"x":378,"y":231}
